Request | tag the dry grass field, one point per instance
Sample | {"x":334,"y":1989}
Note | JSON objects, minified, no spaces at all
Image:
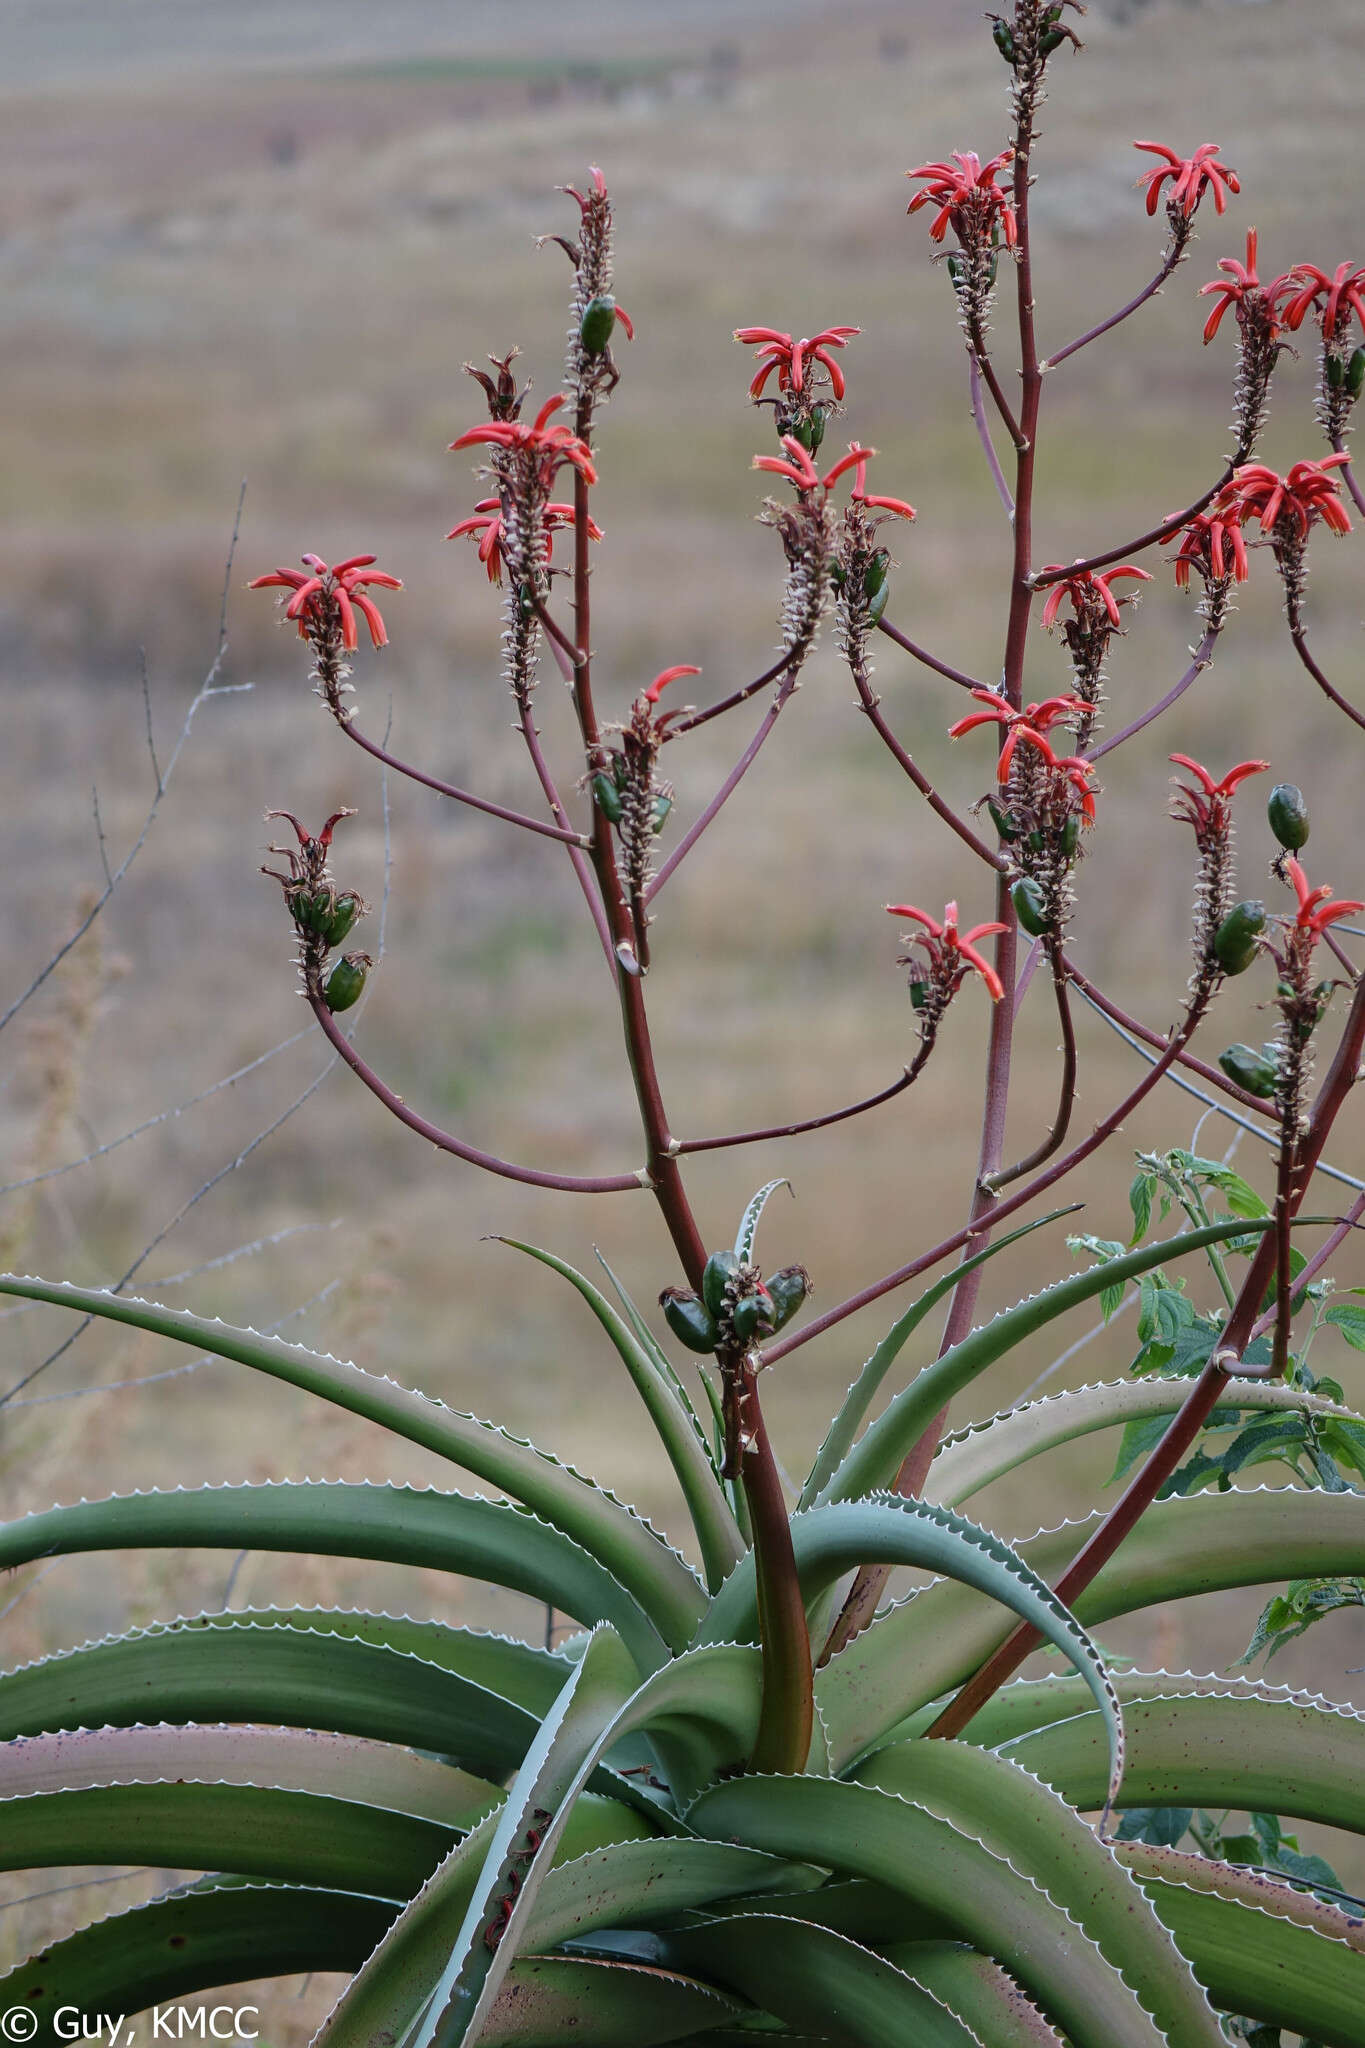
{"x":250,"y":243}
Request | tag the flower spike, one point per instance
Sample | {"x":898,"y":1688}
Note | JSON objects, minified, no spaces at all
{"x":336,"y":592}
{"x":951,"y":954}
{"x":1191,"y":177}
{"x":1313,"y":915}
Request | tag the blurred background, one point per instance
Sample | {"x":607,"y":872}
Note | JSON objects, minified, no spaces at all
{"x":257,"y":243}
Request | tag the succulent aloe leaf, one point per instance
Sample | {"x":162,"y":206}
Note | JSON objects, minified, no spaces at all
{"x":637,"y":1884}
{"x":1023,"y":1820}
{"x":343,"y":1767}
{"x":195,"y":1939}
{"x":931,"y":1643}
{"x":249,"y":1830}
{"x":1260,"y":1948}
{"x":393,"y":1985}
{"x":717,"y":1533}
{"x":748,"y":1222}
{"x":260,"y":1669}
{"x":810,"y":1976}
{"x":975,"y":1987}
{"x":858,"y":1831}
{"x":433,"y":1531}
{"x":1241,"y":1749}
{"x":876,"y":1457}
{"x":626,"y":1545}
{"x":985,"y":1451}
{"x":865,"y":1388}
{"x":600,"y":2003}
{"x":895,"y":1530}
{"x":663,"y":1364}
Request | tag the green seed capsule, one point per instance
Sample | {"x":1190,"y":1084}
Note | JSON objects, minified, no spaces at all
{"x":874,"y":576}
{"x":956,"y":270}
{"x":1030,"y":906}
{"x":345,"y":911}
{"x":1250,"y":1070}
{"x":687,"y":1317}
{"x":788,"y":1290}
{"x":818,"y":422}
{"x":1288,"y":815}
{"x":620,"y":770}
{"x":919,"y":993}
{"x":721,"y":1267}
{"x":1002,"y":821}
{"x":877,"y":605}
{"x":1336,"y":373}
{"x":662,"y":806}
{"x":992,"y":272}
{"x":1355,"y":373}
{"x":310,"y":913}
{"x":804,"y":431}
{"x":753,"y":1317}
{"x":346,"y":981}
{"x":526,"y":601}
{"x":836,"y":575}
{"x":608,"y":798}
{"x":1234,"y":942}
{"x":1002,"y":35}
{"x":1034,"y":842}
{"x":594,"y":329}
{"x":1071,"y":833}
{"x":1051,"y":40}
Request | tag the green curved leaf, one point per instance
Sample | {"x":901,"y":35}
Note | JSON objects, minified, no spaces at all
{"x":716,"y":1529}
{"x":748,"y":1222}
{"x":1239,"y":1749}
{"x":377,"y":1774}
{"x":662,"y":1363}
{"x":895,"y":1530}
{"x":546,"y":2000}
{"x":876,"y":1458}
{"x":985,"y":1451}
{"x":1259,"y":1947}
{"x":195,"y":1940}
{"x":864,"y":1389}
{"x":862,"y":1832}
{"x":810,"y":1976}
{"x":931,"y":1643}
{"x":625,"y":1545}
{"x":397,"y":1524}
{"x":251,"y":1831}
{"x":294,"y":1671}
{"x":1021,"y":1819}
{"x":974,"y":1987}
{"x":636,"y":1884}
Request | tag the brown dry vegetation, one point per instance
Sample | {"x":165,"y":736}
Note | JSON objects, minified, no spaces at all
{"x":213,"y":266}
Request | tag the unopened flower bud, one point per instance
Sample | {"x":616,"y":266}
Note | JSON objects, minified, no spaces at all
{"x":1234,"y":942}
{"x":788,"y":1289}
{"x":721,"y":1268}
{"x":1250,"y":1070}
{"x":599,"y":318}
{"x":1288,"y":815}
{"x":689,"y":1320}
{"x":1030,"y":906}
{"x":346,"y":980}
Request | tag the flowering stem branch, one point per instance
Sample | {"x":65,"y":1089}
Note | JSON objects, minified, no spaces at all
{"x":1199,"y":1404}
{"x":1067,"y":1098}
{"x":565,"y":1183}
{"x":1165,"y":531}
{"x":1109,"y":1008}
{"x":1174,"y":256}
{"x":1301,"y":648}
{"x":462,"y":796}
{"x":976,"y":348}
{"x":812,"y":1123}
{"x":941,"y":668}
{"x":1349,"y":1222}
{"x":870,"y":704}
{"x":1202,"y":658}
{"x":983,"y":428}
{"x":577,"y":857}
{"x":726,"y":790}
{"x":769,"y":675}
{"x":1348,"y":472}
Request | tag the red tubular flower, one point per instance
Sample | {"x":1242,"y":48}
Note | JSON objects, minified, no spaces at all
{"x":342,"y":585}
{"x":1202,"y":544}
{"x":1208,"y":808}
{"x":1077,"y":771}
{"x":487,"y":523}
{"x":801,"y":471}
{"x":556,"y":445}
{"x":1241,"y":284}
{"x":1087,"y":580}
{"x":1306,"y":493}
{"x":790,"y":359}
{"x":1191,"y":177}
{"x":669,"y":675}
{"x":1313,"y":915}
{"x":1028,"y":724}
{"x":965,"y":185}
{"x":1340,"y":296}
{"x":951,"y":952}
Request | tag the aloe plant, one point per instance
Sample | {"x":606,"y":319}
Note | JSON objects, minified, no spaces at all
{"x":750,"y":1796}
